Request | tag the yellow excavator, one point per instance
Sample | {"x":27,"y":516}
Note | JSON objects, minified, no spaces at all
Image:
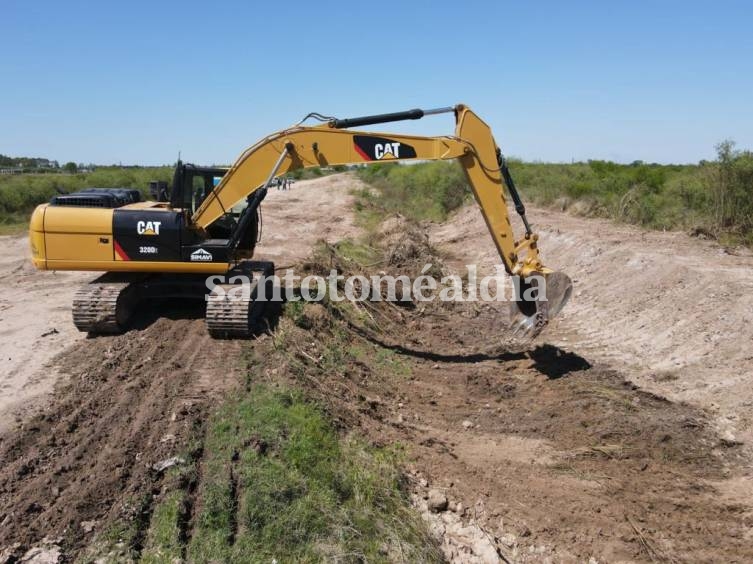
{"x":168,"y":247}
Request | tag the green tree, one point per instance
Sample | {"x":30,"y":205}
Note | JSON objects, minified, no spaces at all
{"x":70,"y":167}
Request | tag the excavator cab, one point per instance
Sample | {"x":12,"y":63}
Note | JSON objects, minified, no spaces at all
{"x":192,"y":184}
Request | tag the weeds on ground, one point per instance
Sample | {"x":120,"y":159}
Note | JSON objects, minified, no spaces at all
{"x":14,"y":224}
{"x":278,"y":483}
{"x":427,"y":191}
{"x":164,"y":543}
{"x":118,"y":542}
{"x":358,"y":252}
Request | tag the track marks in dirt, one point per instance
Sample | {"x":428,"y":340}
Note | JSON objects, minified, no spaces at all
{"x":129,"y":401}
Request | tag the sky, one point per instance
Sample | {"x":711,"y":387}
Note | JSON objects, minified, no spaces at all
{"x":137,"y":82}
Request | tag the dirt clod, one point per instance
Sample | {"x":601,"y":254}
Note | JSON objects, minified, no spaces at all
{"x":437,"y":501}
{"x":163,"y":465}
{"x":50,"y":554}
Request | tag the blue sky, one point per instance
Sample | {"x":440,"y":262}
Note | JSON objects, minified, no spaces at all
{"x":136,"y":82}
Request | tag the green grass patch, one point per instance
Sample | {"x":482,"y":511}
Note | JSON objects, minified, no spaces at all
{"x":281,"y":484}
{"x":425,"y":191}
{"x":385,"y":360}
{"x":164,"y":543}
{"x":21,"y":193}
{"x":358,"y":251}
{"x":213,"y":530}
{"x":713,"y":196}
{"x":391,"y":362}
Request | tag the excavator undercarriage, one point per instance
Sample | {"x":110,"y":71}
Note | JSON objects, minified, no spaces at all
{"x":209,"y":222}
{"x":107,"y":305}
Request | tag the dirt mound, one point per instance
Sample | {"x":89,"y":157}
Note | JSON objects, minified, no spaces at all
{"x":669,"y":310}
{"x":406,"y":243}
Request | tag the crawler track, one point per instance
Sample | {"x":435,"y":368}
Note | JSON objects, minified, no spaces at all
{"x":236,"y":312}
{"x":106,"y":305}
{"x":103,"y":306}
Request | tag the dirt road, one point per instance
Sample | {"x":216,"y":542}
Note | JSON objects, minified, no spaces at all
{"x":35,"y":325}
{"x":35,"y":307}
{"x":551,"y":452}
{"x":295,"y":219}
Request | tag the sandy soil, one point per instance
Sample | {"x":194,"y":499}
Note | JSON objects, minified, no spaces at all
{"x":673,"y":312}
{"x":546,"y":453}
{"x":35,"y":325}
{"x":35,"y":311}
{"x":294,"y":220}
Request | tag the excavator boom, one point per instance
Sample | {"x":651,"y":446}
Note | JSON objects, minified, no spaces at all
{"x":331,"y":144}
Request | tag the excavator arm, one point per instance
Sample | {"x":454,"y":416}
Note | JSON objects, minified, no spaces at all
{"x":334,"y":143}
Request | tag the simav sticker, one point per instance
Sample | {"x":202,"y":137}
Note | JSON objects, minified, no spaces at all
{"x":201,"y":255}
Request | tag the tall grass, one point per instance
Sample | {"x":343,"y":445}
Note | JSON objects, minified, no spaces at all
{"x":731,"y":180}
{"x":714,"y":197}
{"x":655,"y":196}
{"x":20,"y":193}
{"x":426,"y":191}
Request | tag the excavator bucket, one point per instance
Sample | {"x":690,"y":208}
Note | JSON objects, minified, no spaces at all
{"x":539,"y":299}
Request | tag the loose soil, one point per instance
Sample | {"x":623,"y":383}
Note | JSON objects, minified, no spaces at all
{"x":619,"y":435}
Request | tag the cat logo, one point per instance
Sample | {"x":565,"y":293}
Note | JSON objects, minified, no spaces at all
{"x":374,"y":148}
{"x":387,"y":151}
{"x":148,"y":227}
{"x":201,"y":255}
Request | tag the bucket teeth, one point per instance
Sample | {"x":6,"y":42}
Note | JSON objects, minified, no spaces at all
{"x":527,"y":327}
{"x":548,"y":300}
